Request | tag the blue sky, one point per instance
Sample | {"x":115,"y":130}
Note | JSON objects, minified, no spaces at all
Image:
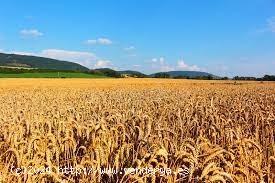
{"x":227,"y":38}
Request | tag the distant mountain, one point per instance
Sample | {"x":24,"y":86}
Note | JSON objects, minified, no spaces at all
{"x":14,"y":60}
{"x":173,"y":74}
{"x":132,"y":73}
{"x":190,"y":74}
{"x":34,"y":62}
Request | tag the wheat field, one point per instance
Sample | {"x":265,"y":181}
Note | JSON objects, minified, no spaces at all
{"x":218,"y":131}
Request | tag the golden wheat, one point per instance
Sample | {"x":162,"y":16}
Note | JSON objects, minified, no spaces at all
{"x":219,"y":131}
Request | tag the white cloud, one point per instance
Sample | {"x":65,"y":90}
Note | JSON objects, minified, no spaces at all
{"x":83,"y":58}
{"x":23,"y":53}
{"x":183,"y":66}
{"x":154,"y":60}
{"x":161,"y":60}
{"x":130,"y":48}
{"x":165,"y":68}
{"x":219,"y":68}
{"x":31,"y":33}
{"x":271,"y":24}
{"x":91,"y":41}
{"x":269,"y":27}
{"x":194,"y":68}
{"x":159,"y":64}
{"x":136,"y":65}
{"x":102,"y":41}
{"x":103,"y":64}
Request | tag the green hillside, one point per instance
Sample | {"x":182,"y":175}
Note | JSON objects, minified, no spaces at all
{"x":14,"y":60}
{"x":51,"y":75}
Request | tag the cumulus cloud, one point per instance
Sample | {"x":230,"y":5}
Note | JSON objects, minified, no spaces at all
{"x":68,"y":55}
{"x":103,"y":64}
{"x":101,"y":41}
{"x":31,"y":33}
{"x":24,"y":53}
{"x":83,"y":58}
{"x":104,"y":41}
{"x":130,"y":48}
{"x":159,"y":64}
{"x":181,"y":65}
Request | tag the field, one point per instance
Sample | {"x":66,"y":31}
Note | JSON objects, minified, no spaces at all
{"x":200,"y":131}
{"x":51,"y":75}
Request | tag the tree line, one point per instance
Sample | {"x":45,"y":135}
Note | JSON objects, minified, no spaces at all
{"x":265,"y":78}
{"x":166,"y":75}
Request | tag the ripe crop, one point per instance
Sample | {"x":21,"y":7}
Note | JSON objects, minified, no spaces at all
{"x":219,"y":131}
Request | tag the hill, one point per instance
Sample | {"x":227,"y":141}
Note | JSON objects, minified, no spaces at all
{"x":107,"y":72}
{"x":189,"y":74}
{"x":172,"y":74}
{"x":50,"y":75}
{"x":25,"y":61}
{"x":131,"y":73}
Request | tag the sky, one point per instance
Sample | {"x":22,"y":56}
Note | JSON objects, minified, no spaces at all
{"x":226,"y":38}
